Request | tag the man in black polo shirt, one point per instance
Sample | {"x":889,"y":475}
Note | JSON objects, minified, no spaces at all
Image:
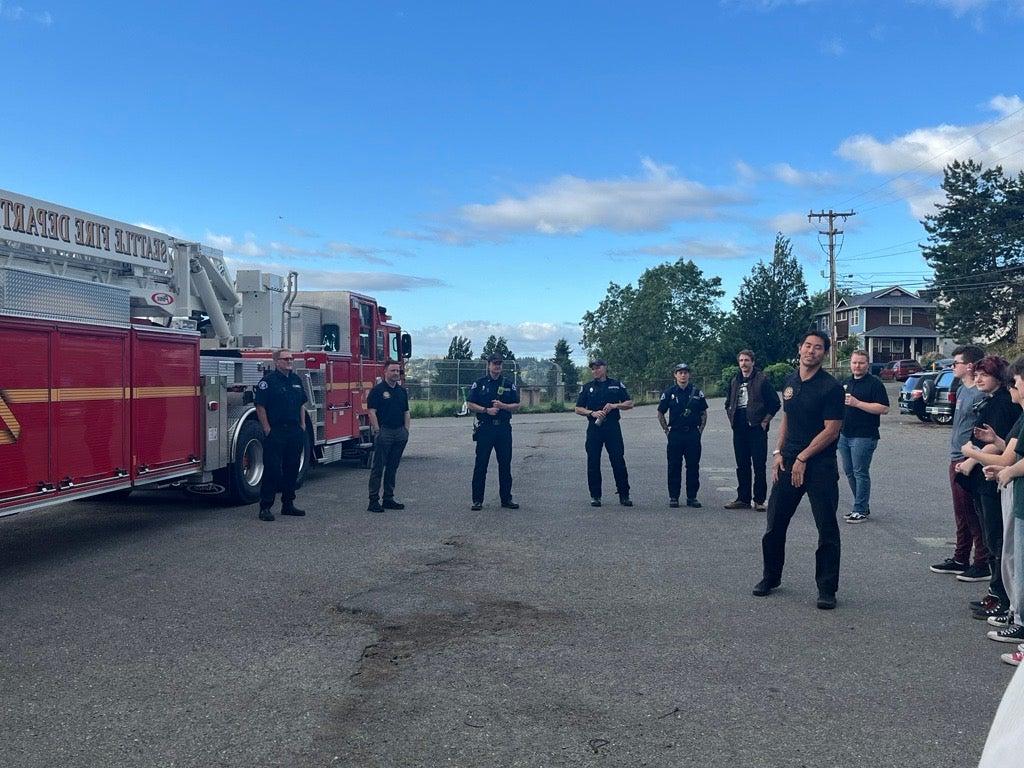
{"x":388,"y":408}
{"x":493,"y":399}
{"x":600,"y":401}
{"x":805,"y":462}
{"x":866,"y":401}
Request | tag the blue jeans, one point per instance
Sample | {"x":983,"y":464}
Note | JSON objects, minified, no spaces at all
{"x":856,"y":453}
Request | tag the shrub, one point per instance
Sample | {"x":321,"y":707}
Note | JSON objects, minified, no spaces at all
{"x":777,"y":373}
{"x":722,"y":385}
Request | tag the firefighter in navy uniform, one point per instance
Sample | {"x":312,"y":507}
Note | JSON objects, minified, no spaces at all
{"x":600,"y":401}
{"x":279,"y":400}
{"x":688,"y":413}
{"x":493,"y":399}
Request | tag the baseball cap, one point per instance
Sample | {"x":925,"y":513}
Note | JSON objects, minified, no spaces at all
{"x":495,"y":359}
{"x":681,"y":367}
{"x":597,"y":362}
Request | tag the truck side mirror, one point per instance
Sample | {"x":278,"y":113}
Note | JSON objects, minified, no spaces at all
{"x":406,"y":346}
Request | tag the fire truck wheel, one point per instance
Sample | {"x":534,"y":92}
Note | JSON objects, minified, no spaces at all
{"x":246,"y":471}
{"x":305,"y":461}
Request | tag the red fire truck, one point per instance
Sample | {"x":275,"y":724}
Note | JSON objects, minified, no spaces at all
{"x":130,"y":359}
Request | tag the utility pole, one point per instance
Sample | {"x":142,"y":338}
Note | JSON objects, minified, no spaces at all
{"x":831,"y":216}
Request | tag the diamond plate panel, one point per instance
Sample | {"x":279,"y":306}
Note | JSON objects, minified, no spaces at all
{"x":34,"y":294}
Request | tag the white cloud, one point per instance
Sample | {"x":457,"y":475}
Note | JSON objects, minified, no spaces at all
{"x":324,"y":279}
{"x":787,"y":174}
{"x":790,"y":223}
{"x":569,"y":204}
{"x":958,"y":7}
{"x":833,"y":46}
{"x":692,"y":248}
{"x":246,"y":247}
{"x":931,"y":149}
{"x":18,"y":13}
{"x":526,"y":339}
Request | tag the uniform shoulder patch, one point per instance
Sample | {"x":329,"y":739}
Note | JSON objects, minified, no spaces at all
{"x":699,"y":394}
{"x":474,"y":385}
{"x":663,"y":395}
{"x":262,"y":384}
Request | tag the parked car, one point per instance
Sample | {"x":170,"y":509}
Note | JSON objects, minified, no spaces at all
{"x":876,"y":368}
{"x":899,"y":370}
{"x":940,"y":396}
{"x":911,"y":398}
{"x":940,"y":364}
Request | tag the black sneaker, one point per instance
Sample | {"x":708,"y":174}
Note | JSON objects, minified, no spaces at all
{"x":292,"y":510}
{"x":374,"y":506}
{"x":477,"y":506}
{"x":392,"y":504}
{"x":509,"y":504}
{"x":988,"y":601}
{"x":949,"y":565}
{"x":983,"y":614}
{"x":693,"y":503}
{"x":826,"y":601}
{"x":266,"y":514}
{"x":625,"y":501}
{"x":673,"y":503}
{"x":595,"y":502}
{"x":975,"y":573}
{"x":1011,"y":634}
{"x":763,"y":588}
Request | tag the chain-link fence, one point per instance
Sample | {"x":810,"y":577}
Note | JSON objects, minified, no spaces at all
{"x":440,"y":387}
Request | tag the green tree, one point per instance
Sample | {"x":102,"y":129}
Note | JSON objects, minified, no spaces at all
{"x":976,"y":247}
{"x":460,"y":348}
{"x":452,"y":372}
{"x":496,"y":345}
{"x":562,"y":363}
{"x":671,"y":315}
{"x":772,"y":307}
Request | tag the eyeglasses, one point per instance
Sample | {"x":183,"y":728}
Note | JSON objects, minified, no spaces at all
{"x":959,"y":362}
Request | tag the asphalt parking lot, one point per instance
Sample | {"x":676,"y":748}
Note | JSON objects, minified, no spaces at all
{"x":165,"y":632}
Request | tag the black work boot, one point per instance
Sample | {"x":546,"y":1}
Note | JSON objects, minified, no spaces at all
{"x":625,"y":500}
{"x":374,"y":506}
{"x":291,"y":509}
{"x":266,"y":514}
{"x":392,"y":504}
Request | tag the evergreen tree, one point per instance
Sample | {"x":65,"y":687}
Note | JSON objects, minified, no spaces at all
{"x":562,"y":363}
{"x":772,"y":307}
{"x":460,"y":349}
{"x":497,"y":345}
{"x":976,"y":247}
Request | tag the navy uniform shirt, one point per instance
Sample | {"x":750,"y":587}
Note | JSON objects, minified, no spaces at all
{"x":595,"y":395}
{"x":684,"y":405}
{"x":486,"y":390}
{"x":390,"y":403}
{"x":868,"y":389}
{"x":282,"y":395}
{"x":808,"y":405}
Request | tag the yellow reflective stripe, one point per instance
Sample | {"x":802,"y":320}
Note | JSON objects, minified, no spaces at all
{"x":25,"y":395}
{"x":77,"y":394}
{"x":10,"y":429}
{"x":142,"y":393}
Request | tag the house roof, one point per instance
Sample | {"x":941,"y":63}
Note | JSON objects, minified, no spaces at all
{"x":903,"y":331}
{"x":893,"y":296}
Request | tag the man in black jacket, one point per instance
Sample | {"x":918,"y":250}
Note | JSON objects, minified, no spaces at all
{"x":750,"y":404}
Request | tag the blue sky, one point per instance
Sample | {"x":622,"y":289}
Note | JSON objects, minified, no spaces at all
{"x":490,"y":167}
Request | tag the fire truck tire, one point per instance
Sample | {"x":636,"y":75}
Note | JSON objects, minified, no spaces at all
{"x":306,"y":461}
{"x":246,"y":470}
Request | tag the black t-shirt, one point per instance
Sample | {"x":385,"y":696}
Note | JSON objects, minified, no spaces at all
{"x":486,"y":390}
{"x":998,"y":411}
{"x":858,"y":423}
{"x":282,"y":396}
{"x":597,"y":394}
{"x":684,"y":405}
{"x":808,"y":405}
{"x":390,"y":403}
